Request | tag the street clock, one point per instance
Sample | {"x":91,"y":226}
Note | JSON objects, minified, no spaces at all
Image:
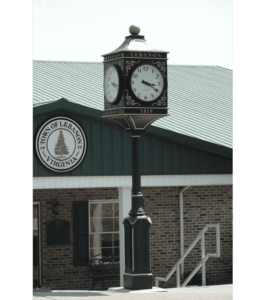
{"x":135,"y":95}
{"x":135,"y":83}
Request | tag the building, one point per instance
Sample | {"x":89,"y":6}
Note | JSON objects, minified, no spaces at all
{"x":191,"y":148}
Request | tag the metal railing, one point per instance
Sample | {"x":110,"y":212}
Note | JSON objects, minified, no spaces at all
{"x":204,"y":258}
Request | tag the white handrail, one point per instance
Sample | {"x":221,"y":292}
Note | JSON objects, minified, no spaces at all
{"x":204,"y":258}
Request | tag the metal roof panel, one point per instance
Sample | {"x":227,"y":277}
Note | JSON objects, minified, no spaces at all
{"x":199,"y":97}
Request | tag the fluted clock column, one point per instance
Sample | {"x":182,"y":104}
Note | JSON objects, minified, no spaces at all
{"x":136,"y":229}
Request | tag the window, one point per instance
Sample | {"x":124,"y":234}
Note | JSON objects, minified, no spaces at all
{"x":104,"y":229}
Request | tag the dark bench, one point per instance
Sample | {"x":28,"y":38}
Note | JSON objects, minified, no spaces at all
{"x":107,"y":267}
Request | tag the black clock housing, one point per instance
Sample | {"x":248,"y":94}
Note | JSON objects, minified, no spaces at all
{"x":132,"y":113}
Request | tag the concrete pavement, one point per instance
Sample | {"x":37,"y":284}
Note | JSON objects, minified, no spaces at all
{"x":220,"y":292}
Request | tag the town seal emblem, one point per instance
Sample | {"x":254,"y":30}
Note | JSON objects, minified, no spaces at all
{"x":61,"y":144}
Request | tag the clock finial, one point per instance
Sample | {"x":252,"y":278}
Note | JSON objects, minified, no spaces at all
{"x":134,"y":30}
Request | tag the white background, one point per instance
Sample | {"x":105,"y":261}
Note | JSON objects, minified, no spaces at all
{"x":193,"y":31}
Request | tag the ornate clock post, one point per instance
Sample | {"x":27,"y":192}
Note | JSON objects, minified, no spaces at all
{"x":135,"y":95}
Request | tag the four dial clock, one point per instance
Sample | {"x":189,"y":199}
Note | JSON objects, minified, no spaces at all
{"x":147,"y":82}
{"x":111,"y":84}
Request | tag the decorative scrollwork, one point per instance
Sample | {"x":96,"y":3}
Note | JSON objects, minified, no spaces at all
{"x":161,"y":65}
{"x":130,"y":101}
{"x":130,"y":64}
{"x":121,"y":101}
{"x":120,"y":63}
{"x":106,"y":66}
{"x":107,"y":104}
{"x":161,"y":101}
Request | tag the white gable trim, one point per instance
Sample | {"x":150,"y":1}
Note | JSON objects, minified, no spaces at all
{"x":126,"y":181}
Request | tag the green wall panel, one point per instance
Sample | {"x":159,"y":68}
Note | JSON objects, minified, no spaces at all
{"x":117,"y":152}
{"x":97,"y":149}
{"x":127,"y":154}
{"x":109,"y":152}
{"x":87,"y":162}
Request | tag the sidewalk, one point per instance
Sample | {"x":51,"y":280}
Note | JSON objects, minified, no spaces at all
{"x":219,"y":292}
{"x":162,"y":294}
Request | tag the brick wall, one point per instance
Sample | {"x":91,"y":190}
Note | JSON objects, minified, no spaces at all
{"x":202,"y":205}
{"x":58,"y":271}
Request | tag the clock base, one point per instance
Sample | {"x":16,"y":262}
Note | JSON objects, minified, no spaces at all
{"x":137,"y":281}
{"x":136,"y":123}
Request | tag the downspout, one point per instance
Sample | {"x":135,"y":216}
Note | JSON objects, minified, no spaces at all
{"x":182,"y":226}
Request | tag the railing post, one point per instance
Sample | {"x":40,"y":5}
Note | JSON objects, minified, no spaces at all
{"x":218,"y":240}
{"x":178,"y":277}
{"x":202,"y":263}
{"x":156,"y":282}
{"x":203,"y":256}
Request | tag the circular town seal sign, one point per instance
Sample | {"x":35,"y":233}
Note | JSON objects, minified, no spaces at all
{"x":61,"y":144}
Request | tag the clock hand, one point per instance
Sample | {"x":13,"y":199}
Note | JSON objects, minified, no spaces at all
{"x":150,"y":84}
{"x":115,"y":85}
{"x":154,"y":89}
{"x":147,"y":83}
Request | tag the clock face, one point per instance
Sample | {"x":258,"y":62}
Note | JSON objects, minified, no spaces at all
{"x":111,"y":84}
{"x":147,"y":83}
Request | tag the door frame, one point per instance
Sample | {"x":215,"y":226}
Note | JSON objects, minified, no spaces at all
{"x":39,"y":225}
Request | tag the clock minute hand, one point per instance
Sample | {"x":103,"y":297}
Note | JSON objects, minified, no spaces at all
{"x":115,"y":85}
{"x":150,"y":84}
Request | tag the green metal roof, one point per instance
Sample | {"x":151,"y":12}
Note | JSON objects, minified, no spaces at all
{"x":199,"y":97}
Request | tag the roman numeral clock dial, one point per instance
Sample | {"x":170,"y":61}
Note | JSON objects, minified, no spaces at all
{"x":147,"y":83}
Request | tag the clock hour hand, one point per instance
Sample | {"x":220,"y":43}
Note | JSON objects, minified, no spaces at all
{"x":115,"y":85}
{"x":150,"y":84}
{"x":147,"y":83}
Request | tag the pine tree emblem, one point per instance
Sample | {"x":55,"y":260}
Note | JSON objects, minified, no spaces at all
{"x":60,"y":147}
